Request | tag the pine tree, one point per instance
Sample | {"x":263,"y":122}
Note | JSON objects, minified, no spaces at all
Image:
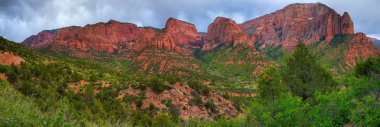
{"x":303,"y":75}
{"x":270,"y":86}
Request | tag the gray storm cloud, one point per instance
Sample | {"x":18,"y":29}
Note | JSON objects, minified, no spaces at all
{"x":20,"y":19}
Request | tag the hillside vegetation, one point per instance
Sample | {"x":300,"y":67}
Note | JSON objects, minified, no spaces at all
{"x":292,"y":89}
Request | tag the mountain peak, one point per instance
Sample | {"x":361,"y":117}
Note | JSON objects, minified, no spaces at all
{"x":347,"y":25}
{"x":220,"y":19}
{"x":225,"y":31}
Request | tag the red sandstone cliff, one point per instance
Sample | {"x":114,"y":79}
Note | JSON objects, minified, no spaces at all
{"x":296,"y":23}
{"x":360,"y":47}
{"x":113,"y":35}
{"x":183,"y":33}
{"x":225,"y":31}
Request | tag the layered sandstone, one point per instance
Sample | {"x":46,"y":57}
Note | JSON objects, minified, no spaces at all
{"x":307,"y":23}
{"x":151,"y":38}
{"x":115,"y":36}
{"x":225,"y":31}
{"x":183,"y":33}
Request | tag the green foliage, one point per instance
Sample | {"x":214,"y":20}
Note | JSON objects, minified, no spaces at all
{"x":19,"y":49}
{"x":199,"y":87}
{"x":211,"y":105}
{"x":158,"y":85}
{"x":367,"y":112}
{"x":3,"y":68}
{"x":196,"y":100}
{"x":39,"y":92}
{"x":162,"y":120}
{"x":232,"y":64}
{"x":270,"y":86}
{"x":303,"y":75}
{"x":274,"y":52}
{"x":18,"y":110}
{"x":333,"y":54}
{"x":369,"y":68}
{"x":174,"y":111}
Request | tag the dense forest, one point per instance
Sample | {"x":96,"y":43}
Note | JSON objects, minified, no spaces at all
{"x":298,"y":91}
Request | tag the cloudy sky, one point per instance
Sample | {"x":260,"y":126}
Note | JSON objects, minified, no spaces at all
{"x":20,"y":19}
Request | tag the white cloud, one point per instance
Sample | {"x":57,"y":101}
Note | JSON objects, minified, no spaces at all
{"x":376,"y":36}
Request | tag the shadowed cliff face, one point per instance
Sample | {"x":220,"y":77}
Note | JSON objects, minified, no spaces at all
{"x":296,"y":23}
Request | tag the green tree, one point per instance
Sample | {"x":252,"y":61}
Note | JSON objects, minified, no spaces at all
{"x":270,"y":86}
{"x":366,"y":113}
{"x":304,"y":75}
{"x":369,"y":68}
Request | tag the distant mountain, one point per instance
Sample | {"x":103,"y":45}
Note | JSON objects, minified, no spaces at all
{"x":312,"y":23}
{"x":375,"y":41}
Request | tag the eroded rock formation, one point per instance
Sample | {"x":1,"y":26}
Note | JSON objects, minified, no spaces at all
{"x":225,"y":31}
{"x":307,"y":23}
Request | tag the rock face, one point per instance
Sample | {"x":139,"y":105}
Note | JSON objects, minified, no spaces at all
{"x":8,"y":58}
{"x":360,"y":47}
{"x":183,"y":33}
{"x":155,"y":38}
{"x":99,"y":37}
{"x":225,"y":31}
{"x":307,"y":23}
{"x":41,"y":39}
{"x":115,"y":36}
{"x":347,"y":25}
{"x":296,"y":23}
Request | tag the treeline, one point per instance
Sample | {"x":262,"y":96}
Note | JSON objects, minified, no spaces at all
{"x":302,"y":93}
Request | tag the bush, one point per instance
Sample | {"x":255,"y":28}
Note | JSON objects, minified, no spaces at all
{"x":211,"y":105}
{"x":369,"y":68}
{"x":3,"y":68}
{"x":197,"y":100}
{"x":18,"y":110}
{"x":158,"y":85}
{"x":174,"y":111}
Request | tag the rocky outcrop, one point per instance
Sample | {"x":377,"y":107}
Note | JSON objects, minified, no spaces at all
{"x":225,"y":31}
{"x":347,"y":25}
{"x":180,"y":96}
{"x":183,"y":33}
{"x":307,"y":23}
{"x":360,"y":48}
{"x":41,"y":39}
{"x":8,"y":58}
